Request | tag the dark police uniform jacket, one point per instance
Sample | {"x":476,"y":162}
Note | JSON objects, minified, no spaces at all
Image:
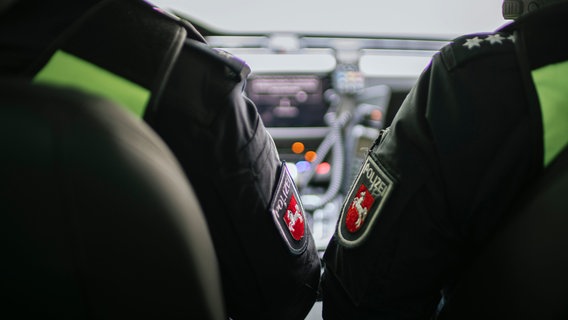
{"x":485,"y":117}
{"x":159,"y":67}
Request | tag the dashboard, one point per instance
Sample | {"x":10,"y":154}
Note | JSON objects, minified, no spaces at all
{"x":287,"y":101}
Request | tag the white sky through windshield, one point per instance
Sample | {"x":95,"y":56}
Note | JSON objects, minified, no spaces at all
{"x":428,"y":18}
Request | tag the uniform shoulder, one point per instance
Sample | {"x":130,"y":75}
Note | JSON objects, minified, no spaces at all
{"x":470,"y":47}
{"x":236,"y":68}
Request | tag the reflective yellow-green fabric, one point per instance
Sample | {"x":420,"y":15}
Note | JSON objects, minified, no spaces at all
{"x":64,"y":69}
{"x":551,"y":83}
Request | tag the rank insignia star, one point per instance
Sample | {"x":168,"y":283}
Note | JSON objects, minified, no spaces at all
{"x":472,"y":43}
{"x":495,"y":38}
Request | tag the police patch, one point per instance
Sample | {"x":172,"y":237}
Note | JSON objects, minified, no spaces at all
{"x":288,"y":213}
{"x":363,"y":204}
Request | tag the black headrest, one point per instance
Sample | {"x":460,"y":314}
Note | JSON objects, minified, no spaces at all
{"x":97,"y":219}
{"x":522,"y":273}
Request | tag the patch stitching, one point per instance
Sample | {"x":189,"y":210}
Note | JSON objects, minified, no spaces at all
{"x":288,"y":213}
{"x":367,"y":196}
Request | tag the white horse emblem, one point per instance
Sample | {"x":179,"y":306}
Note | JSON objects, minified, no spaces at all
{"x":293,"y":217}
{"x":361,"y":211}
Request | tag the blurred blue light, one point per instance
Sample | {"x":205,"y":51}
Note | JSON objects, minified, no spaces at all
{"x":303,"y":166}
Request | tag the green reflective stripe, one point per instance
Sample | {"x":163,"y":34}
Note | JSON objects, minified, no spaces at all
{"x":67,"y":70}
{"x":552,"y":87}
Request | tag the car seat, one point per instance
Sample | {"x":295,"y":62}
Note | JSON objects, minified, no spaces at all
{"x":97,"y":218}
{"x":522,"y":273}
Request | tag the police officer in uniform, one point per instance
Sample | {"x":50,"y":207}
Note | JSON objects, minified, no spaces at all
{"x":159,"y":67}
{"x":484,"y":119}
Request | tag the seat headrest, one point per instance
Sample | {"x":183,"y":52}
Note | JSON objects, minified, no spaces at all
{"x":521,"y":273}
{"x":97,"y":218}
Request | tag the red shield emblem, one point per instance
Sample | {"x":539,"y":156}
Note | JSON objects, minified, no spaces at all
{"x":294,"y":219}
{"x":359,"y":209}
{"x":288,"y":214}
{"x":364,"y":203}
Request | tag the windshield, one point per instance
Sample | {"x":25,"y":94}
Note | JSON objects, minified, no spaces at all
{"x":404,"y":18}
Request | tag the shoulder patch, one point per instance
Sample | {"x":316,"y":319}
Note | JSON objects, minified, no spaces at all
{"x":288,"y":213}
{"x":236,"y":68}
{"x":364,"y":203}
{"x":469,"y":47}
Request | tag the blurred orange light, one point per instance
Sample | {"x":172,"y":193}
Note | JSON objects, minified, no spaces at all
{"x":298,"y":147}
{"x":310,"y":156}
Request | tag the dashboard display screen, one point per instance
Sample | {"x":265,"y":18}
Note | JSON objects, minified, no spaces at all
{"x":289,"y":100}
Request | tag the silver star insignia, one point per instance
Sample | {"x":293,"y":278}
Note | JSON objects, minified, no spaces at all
{"x":495,"y":38}
{"x":512,"y":38}
{"x":472,"y":43}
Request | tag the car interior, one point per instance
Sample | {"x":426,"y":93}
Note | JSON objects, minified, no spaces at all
{"x":324,"y":99}
{"x":302,"y":82}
